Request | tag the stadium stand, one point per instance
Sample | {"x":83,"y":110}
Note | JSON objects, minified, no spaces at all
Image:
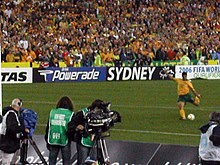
{"x":77,"y":32}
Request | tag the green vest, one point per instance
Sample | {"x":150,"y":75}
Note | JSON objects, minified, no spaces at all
{"x":86,"y":141}
{"x":59,"y":118}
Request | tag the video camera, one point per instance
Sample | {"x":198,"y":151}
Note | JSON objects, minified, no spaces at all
{"x":101,"y":120}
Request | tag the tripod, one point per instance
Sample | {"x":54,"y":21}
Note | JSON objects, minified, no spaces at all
{"x":24,"y":148}
{"x":100,"y":151}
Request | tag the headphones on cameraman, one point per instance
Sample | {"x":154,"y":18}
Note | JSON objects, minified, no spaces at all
{"x":17,"y":102}
{"x":20,"y":103}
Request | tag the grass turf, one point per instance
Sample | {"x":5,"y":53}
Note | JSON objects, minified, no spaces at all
{"x":148,"y":108}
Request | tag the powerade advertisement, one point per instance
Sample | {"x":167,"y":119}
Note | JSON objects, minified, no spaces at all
{"x":98,"y":74}
{"x":70,"y":74}
{"x":94,"y":74}
{"x":127,"y":153}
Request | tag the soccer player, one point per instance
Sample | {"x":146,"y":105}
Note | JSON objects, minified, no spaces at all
{"x":184,"y":88}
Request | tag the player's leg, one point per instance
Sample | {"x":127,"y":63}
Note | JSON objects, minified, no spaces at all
{"x":189,"y":98}
{"x":196,"y":101}
{"x":181,"y":104}
{"x":181,"y":110}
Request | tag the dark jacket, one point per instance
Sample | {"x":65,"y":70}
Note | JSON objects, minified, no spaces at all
{"x":10,"y":142}
{"x":73,"y":133}
{"x":215,"y":137}
{"x":205,"y":127}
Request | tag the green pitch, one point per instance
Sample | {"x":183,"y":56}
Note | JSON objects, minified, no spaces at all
{"x":148,"y":108}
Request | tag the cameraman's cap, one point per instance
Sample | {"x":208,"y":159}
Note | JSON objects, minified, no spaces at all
{"x":16,"y":102}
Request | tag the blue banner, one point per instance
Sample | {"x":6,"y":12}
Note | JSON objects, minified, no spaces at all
{"x":71,"y":74}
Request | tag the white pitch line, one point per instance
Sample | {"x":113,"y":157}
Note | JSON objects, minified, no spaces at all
{"x":201,"y":108}
{"x":138,"y":131}
{"x":156,"y":132}
{"x":146,"y":131}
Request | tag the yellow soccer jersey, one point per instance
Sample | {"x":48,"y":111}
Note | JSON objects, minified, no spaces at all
{"x":183,"y":86}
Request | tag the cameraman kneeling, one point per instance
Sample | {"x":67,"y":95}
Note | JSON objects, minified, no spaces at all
{"x":79,"y":134}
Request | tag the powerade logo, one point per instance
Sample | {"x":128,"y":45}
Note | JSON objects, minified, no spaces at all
{"x":73,"y":74}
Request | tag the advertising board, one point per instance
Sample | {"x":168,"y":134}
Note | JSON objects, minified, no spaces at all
{"x":71,"y":74}
{"x":16,"y":75}
{"x":129,"y":153}
{"x":138,"y":73}
{"x":198,"y":71}
{"x":98,"y":74}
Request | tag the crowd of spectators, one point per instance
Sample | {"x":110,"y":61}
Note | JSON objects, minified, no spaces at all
{"x":98,"y":32}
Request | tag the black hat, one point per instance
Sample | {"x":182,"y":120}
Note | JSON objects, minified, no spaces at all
{"x":96,"y":103}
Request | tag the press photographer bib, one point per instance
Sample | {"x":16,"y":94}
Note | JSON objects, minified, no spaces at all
{"x":86,"y":141}
{"x":58,"y":126}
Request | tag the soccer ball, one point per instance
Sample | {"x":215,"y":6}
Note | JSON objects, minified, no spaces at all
{"x":191,"y":116}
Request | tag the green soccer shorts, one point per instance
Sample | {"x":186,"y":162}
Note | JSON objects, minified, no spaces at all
{"x":186,"y":98}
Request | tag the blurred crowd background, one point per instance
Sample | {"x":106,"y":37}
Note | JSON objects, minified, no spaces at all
{"x":109,"y":32}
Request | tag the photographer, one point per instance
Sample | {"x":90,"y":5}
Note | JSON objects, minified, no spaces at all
{"x":84,"y":140}
{"x":12,"y":130}
{"x":209,"y":147}
{"x":56,"y":131}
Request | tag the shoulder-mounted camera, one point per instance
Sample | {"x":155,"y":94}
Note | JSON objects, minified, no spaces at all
{"x":101,"y":118}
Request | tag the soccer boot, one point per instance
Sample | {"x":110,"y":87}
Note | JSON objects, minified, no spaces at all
{"x":197,"y":100}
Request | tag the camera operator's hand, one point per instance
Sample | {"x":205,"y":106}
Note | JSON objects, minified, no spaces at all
{"x":25,"y":133}
{"x":80,"y":127}
{"x":27,"y":130}
{"x":92,"y":137}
